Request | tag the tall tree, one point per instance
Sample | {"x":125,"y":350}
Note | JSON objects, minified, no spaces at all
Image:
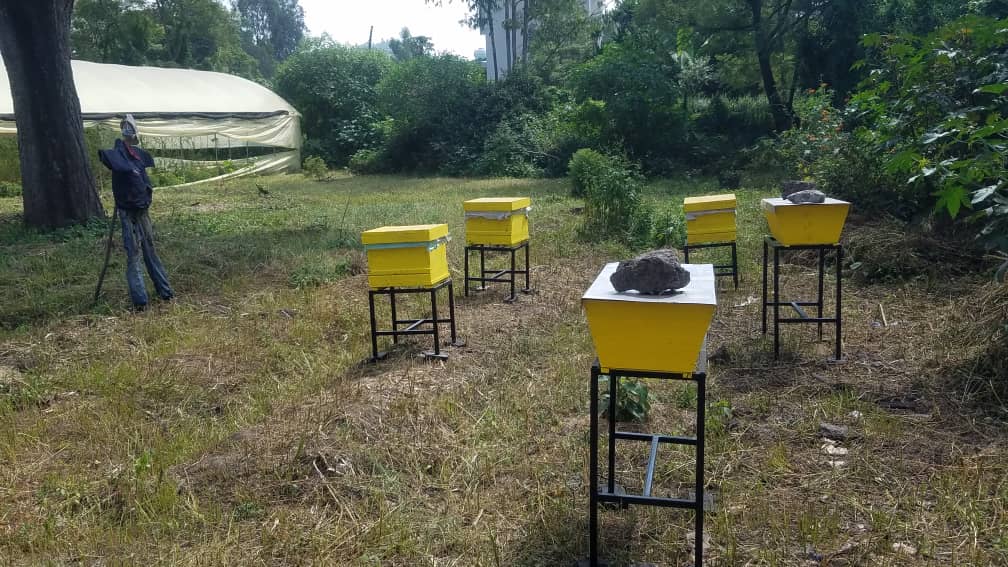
{"x":480,"y":18}
{"x":202,"y":34}
{"x":408,"y":46}
{"x":115,"y":31}
{"x":58,"y":188}
{"x":270,"y":29}
{"x":562,"y":33}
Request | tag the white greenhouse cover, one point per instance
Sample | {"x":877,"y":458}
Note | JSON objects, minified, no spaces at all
{"x":207,"y":109}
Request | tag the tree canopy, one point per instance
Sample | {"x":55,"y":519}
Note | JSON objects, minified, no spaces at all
{"x":248,"y":40}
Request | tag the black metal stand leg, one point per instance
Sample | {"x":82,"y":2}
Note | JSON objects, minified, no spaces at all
{"x":528,"y":271}
{"x":819,"y":298}
{"x":700,"y":496}
{"x":764,"y":286}
{"x":395,"y":318}
{"x":512,"y":298}
{"x":466,"y":286}
{"x":374,"y":328}
{"x":482,"y":284}
{"x":613,"y":386}
{"x":451,"y":316}
{"x":734,"y":261}
{"x":685,"y":252}
{"x":776,"y":303}
{"x":593,"y":484}
{"x":839,"y":298}
{"x":434,"y":321}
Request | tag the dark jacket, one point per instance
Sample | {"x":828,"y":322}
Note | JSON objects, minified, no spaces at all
{"x":130,"y":184}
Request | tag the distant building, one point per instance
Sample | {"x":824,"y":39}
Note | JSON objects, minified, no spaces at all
{"x":502,"y":64}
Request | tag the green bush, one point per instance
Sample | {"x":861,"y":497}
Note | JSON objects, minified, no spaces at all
{"x":821,"y":147}
{"x":585,"y":165}
{"x":366,"y":161}
{"x":640,"y":99}
{"x":935,"y":107}
{"x":10,"y":189}
{"x":315,"y":167}
{"x":670,"y":229}
{"x":333,"y":87}
{"x":516,"y":148}
{"x":614,"y":208}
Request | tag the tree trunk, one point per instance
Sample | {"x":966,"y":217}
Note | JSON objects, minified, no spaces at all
{"x":507,"y":34}
{"x":781,"y":117}
{"x":514,"y":33}
{"x":485,"y":17}
{"x":493,"y":50}
{"x":525,"y":31}
{"x":57,"y":186}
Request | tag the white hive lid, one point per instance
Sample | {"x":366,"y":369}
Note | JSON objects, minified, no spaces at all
{"x":773,"y":203}
{"x":700,"y":291}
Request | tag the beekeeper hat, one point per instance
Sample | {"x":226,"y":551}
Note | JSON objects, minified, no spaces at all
{"x":128,"y":127}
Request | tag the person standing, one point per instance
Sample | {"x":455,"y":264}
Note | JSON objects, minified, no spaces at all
{"x":133,"y":193}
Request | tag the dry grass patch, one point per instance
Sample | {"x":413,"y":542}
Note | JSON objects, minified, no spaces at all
{"x":236,"y":426}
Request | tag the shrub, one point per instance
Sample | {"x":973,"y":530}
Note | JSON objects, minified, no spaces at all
{"x":613,"y":204}
{"x":844,"y":164}
{"x":438,"y":107}
{"x":934,"y":106}
{"x":315,"y":167}
{"x":333,"y":87}
{"x":516,"y":148}
{"x":10,"y":189}
{"x":670,"y":229}
{"x":585,"y":165}
{"x":366,"y":161}
{"x":640,"y":99}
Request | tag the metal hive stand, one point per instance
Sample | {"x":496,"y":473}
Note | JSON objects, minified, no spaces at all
{"x":802,"y":317}
{"x":497,"y":276}
{"x":719,"y":269}
{"x":611,"y":492}
{"x":422,"y":326}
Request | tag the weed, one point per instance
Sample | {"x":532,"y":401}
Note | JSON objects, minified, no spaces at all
{"x":632,"y":399}
{"x":315,"y":167}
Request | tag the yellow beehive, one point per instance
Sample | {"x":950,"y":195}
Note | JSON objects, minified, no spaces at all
{"x":497,"y":221}
{"x":406,"y":256}
{"x":710,"y":218}
{"x":818,"y":223}
{"x":655,"y":333}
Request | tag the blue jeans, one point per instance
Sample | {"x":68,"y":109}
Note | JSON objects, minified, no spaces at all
{"x":138,"y":237}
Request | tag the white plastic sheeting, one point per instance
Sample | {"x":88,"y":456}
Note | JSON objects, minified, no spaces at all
{"x":179,"y":107}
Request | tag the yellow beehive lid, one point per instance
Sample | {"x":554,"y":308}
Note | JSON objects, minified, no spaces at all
{"x":709,"y":203}
{"x":806,"y":223}
{"x":409,"y":233}
{"x":497,"y":204}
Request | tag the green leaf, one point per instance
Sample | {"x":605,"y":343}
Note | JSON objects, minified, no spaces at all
{"x":952,"y":200}
{"x":996,"y":89}
{"x":904,"y":161}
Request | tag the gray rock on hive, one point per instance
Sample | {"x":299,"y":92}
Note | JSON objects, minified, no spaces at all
{"x":790,"y":187}
{"x":806,"y":197}
{"x":651,"y":273}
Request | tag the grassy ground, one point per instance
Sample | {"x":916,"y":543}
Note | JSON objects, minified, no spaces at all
{"x":235,"y":425}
